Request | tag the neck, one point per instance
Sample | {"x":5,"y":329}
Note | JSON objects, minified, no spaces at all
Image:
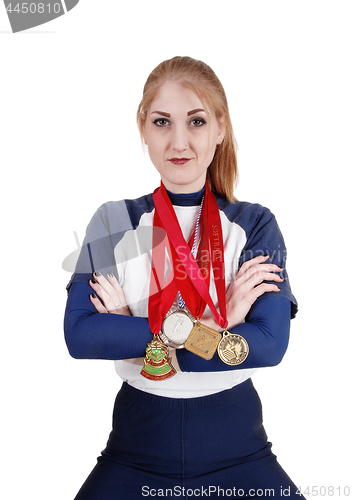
{"x":192,"y":187}
{"x":186,"y":199}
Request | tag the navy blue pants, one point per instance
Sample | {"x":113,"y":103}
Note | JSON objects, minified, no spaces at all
{"x":214,"y":447}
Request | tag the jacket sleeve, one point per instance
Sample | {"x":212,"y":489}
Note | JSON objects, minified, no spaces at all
{"x":93,"y":335}
{"x":264,"y":237}
{"x":266,"y":329}
{"x":89,"y":334}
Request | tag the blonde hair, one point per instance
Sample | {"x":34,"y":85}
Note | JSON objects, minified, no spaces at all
{"x":198,"y":77}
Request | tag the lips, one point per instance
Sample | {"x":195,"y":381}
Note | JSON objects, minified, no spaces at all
{"x":179,"y":161}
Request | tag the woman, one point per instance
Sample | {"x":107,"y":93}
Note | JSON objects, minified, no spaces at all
{"x":204,"y":271}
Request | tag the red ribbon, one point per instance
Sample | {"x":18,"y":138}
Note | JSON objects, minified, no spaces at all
{"x":189,"y":278}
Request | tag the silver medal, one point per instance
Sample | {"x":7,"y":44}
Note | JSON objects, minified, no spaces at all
{"x":177,"y":327}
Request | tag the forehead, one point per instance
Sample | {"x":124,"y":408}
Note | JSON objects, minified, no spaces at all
{"x":174,"y":98}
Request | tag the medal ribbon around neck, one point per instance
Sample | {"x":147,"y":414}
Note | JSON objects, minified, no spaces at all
{"x":205,"y":269}
{"x":191,"y":280}
{"x":161,"y":297}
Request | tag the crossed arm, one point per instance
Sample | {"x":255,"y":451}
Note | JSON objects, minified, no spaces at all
{"x":99,"y":325}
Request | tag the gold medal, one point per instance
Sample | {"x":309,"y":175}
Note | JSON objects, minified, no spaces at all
{"x":203,"y":341}
{"x":233,"y":349}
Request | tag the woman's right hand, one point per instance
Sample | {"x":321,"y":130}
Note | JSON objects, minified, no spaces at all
{"x":112,"y":298}
{"x":113,"y":301}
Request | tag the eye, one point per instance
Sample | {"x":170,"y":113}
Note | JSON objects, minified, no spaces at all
{"x":198,"y":122}
{"x":161,"y":122}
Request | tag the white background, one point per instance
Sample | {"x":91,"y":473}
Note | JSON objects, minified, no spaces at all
{"x":69,"y":91}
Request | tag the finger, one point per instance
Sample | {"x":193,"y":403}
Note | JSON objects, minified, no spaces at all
{"x":261,"y":289}
{"x":123,"y":310}
{"x":245,"y":285}
{"x":252,"y":262}
{"x":117,"y":287}
{"x":103,"y":282}
{"x":112,"y":297}
{"x":97,"y":304}
{"x":113,"y":302}
{"x":106,"y":299}
{"x":259,"y":278}
{"x":254,"y":268}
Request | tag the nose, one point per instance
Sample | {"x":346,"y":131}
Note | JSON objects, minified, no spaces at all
{"x":179,"y":140}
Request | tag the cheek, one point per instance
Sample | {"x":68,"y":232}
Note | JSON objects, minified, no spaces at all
{"x":156,"y":142}
{"x":152,"y":144}
{"x":206,"y":142}
{"x":206,"y":149}
{"x":156,"y":153}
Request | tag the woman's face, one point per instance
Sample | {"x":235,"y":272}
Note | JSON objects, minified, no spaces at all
{"x":181,"y":137}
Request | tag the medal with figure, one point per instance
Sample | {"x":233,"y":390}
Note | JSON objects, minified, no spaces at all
{"x":233,"y":349}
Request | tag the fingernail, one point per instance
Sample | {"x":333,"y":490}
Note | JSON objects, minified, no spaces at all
{"x":279,"y":287}
{"x":111,"y":275}
{"x":97,"y":274}
{"x":93,"y":295}
{"x":93,"y":281}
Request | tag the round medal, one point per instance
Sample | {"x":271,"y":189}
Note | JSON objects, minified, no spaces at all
{"x":232,"y":349}
{"x":176,"y":328}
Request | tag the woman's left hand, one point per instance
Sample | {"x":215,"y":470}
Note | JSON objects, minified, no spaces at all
{"x":249,"y":284}
{"x":112,"y":299}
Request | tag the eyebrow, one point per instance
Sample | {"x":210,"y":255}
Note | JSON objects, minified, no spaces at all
{"x":167,"y":115}
{"x":195,"y":111}
{"x":161,"y":113}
